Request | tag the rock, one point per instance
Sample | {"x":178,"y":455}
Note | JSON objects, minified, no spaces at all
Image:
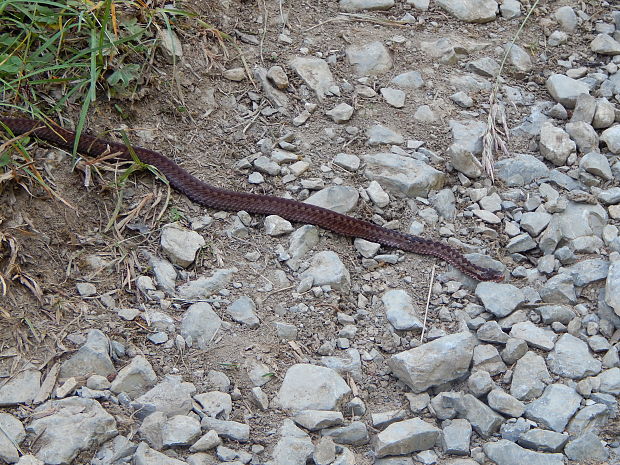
{"x":609,"y":381}
{"x":377,"y":195}
{"x":400,"y":311}
{"x":170,"y":45}
{"x":200,"y":324}
{"x":144,"y":455}
{"x":315,"y":73}
{"x":464,"y":160}
{"x":227,"y":429}
{"x":510,"y":9}
{"x":571,"y":358}
{"x":13,"y":434}
{"x":505,"y":404}
{"x":171,"y":397}
{"x":180,"y":430}
{"x":93,"y":358}
{"x":277,"y":226}
{"x":341,"y":199}
{"x":215,"y":404}
{"x":308,"y":386}
{"x":372,"y":58}
{"x":402,"y":175}
{"x":393,"y":97}
{"x":434,"y":363}
{"x":611,"y":137}
{"x":134,"y":379}
{"x":204,"y":287}
{"x":243,"y":310}
{"x":520,"y":169}
{"x":404,"y":437}
{"x":456,"y":436}
{"x":612,"y":284}
{"x":206,"y":442}
{"x":499,"y":299}
{"x":409,"y":80}
{"x":315,"y":420}
{"x":355,"y":434}
{"x":425,"y":114}
{"x":504,"y":452}
{"x":294,"y":447}
{"x":566,"y":18}
{"x":605,"y":45}
{"x":362,"y":5}
{"x":378,"y":134}
{"x":484,"y":420}
{"x":70,"y":426}
{"x":533,"y":335}
{"x":543,"y":440}
{"x":471,"y":11}
{"x":278,"y":77}
{"x":586,"y":448}
{"x":529,"y":377}
{"x":555,"y":407}
{"x":341,"y":113}
{"x":347,"y":161}
{"x":326,"y":268}
{"x":519,"y":59}
{"x":565,"y":90}
{"x":555,"y":144}
{"x":597,"y":164}
{"x":181,"y":244}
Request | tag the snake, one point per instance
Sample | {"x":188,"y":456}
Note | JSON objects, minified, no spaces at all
{"x":224,"y":199}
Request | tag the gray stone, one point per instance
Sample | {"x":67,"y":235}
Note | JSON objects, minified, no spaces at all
{"x":402,"y":175}
{"x":455,"y":438}
{"x":504,"y":452}
{"x":571,"y":358}
{"x":520,"y":169}
{"x":529,"y":377}
{"x":243,"y":310}
{"x":362,"y":5}
{"x":533,"y":335}
{"x":543,"y":440}
{"x":586,"y":448}
{"x":611,"y":138}
{"x":555,"y":407}
{"x":378,"y":134}
{"x":326,"y":268}
{"x":471,"y":11}
{"x":181,"y":244}
{"x":505,"y":404}
{"x":409,"y":80}
{"x":565,"y":90}
{"x":597,"y":164}
{"x":200,"y":324}
{"x":499,"y":299}
{"x":315,"y":73}
{"x":434,"y":363}
{"x":484,"y":420}
{"x":311,"y":387}
{"x":355,"y":434}
{"x":555,"y":144}
{"x":372,"y":58}
{"x":340,"y":199}
{"x":400,"y":310}
{"x":604,"y":44}
{"x":404,"y":437}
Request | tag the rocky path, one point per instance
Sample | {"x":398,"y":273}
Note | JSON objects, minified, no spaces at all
{"x":254,"y":340}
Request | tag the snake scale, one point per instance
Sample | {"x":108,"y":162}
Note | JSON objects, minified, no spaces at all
{"x":223,"y":199}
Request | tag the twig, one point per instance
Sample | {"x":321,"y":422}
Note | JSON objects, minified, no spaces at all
{"x":493,"y":139}
{"x":428,"y":301}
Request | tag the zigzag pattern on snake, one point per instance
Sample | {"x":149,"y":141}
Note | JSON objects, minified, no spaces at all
{"x":223,"y":199}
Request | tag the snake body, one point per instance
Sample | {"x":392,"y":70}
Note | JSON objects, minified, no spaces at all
{"x":223,"y":199}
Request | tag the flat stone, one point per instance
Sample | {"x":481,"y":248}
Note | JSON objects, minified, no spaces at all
{"x":434,"y":363}
{"x":402,"y":175}
{"x":406,"y":436}
{"x":555,"y":407}
{"x":504,"y":452}
{"x":371,"y":58}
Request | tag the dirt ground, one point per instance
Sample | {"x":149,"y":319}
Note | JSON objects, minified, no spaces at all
{"x":192,"y":114}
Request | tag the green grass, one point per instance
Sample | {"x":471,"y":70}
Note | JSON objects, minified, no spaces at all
{"x":56,"y":54}
{"x":53,"y":52}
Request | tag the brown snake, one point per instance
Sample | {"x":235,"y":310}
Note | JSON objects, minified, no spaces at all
{"x":223,"y":199}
